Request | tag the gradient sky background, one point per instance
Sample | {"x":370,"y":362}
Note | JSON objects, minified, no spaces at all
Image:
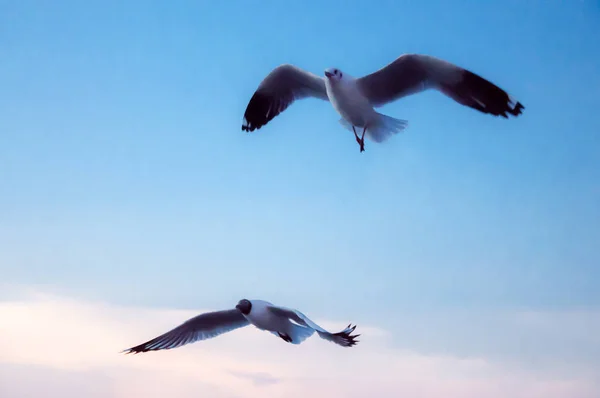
{"x":125,"y":177}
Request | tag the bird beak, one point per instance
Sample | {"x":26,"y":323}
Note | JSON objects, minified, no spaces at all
{"x":328,"y":74}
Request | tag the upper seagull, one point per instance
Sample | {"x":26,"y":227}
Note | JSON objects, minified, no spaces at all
{"x":355,"y":98}
{"x":291,"y":325}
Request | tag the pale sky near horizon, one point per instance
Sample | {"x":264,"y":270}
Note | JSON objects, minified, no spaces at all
{"x":126,"y":183}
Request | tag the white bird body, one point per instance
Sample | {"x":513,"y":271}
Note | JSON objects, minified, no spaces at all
{"x":356,"y":110}
{"x":259,"y":316}
{"x":264,"y":316}
{"x":290,"y":325}
{"x":263,"y":319}
{"x":349,"y":102}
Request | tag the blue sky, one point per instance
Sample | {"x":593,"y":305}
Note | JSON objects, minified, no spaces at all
{"x":125,"y":176}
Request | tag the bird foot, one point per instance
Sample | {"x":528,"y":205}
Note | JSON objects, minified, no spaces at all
{"x":362,"y":145}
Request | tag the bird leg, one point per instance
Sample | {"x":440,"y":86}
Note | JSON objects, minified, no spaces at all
{"x":361,"y":141}
{"x":356,"y":135}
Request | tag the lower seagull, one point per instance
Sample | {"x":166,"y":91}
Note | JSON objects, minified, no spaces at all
{"x":290,"y":325}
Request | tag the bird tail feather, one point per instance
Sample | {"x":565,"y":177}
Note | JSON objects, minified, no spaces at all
{"x":381,"y":128}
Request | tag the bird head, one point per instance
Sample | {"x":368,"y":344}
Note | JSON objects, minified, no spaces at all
{"x":333,"y":74}
{"x":244,"y":306}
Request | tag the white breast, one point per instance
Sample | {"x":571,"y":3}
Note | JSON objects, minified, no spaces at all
{"x":259,"y":315}
{"x":349,"y":102}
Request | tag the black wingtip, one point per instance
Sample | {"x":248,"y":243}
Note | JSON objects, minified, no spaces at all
{"x":349,"y":338}
{"x":484,"y":96}
{"x":247,"y":127}
{"x":262,"y":108}
{"x":131,"y":351}
{"x":517,"y":110}
{"x":140,"y":348}
{"x":258,"y":112}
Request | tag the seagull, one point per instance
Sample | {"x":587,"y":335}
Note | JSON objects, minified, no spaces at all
{"x":290,"y":325}
{"x":355,"y":98}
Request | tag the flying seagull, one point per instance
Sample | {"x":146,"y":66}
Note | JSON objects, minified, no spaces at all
{"x":355,"y":98}
{"x":290,"y":325}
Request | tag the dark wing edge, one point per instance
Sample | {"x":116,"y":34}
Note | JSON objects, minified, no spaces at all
{"x":413,"y":73}
{"x":343,"y":338}
{"x":201,"y":327}
{"x":285,"y":84}
{"x":482,"y":95}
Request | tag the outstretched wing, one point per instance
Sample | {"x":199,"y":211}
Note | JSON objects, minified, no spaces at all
{"x":201,"y":327}
{"x":343,"y":338}
{"x":413,"y":73}
{"x":277,"y":91}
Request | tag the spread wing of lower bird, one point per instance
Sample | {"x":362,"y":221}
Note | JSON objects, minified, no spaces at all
{"x":343,"y":338}
{"x":201,"y":327}
{"x":279,"y":90}
{"x":413,"y":73}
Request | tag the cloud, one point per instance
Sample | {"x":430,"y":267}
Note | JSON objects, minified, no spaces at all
{"x":55,"y":346}
{"x":18,"y":380}
{"x":258,"y":378}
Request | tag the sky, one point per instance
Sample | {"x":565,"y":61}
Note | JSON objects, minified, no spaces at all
{"x":465,"y":248}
